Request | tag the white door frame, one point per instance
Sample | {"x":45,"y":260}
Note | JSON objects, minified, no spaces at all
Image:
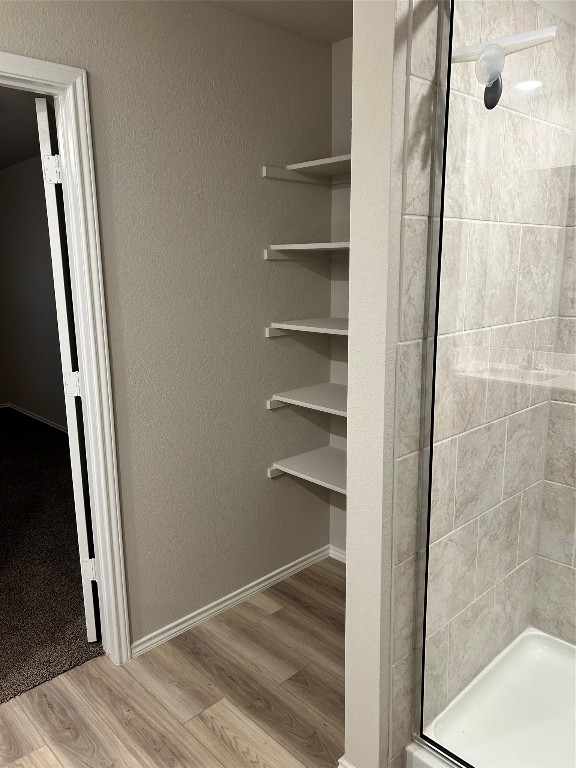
{"x":68,"y":86}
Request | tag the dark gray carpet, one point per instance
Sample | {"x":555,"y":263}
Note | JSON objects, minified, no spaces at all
{"x":42,"y":629}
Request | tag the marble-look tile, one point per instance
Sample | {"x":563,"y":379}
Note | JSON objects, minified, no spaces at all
{"x":424,"y":39}
{"x":399,"y":761}
{"x":475,"y":141}
{"x":513,"y":604}
{"x":443,"y":488}
{"x":452,"y":303}
{"x":403,"y":616}
{"x":561,"y":463}
{"x":409,"y":388}
{"x":539,"y":272}
{"x":402,"y":702}
{"x":530,"y":513}
{"x":497,"y":543}
{"x":558,"y":526}
{"x":413,"y":278}
{"x":545,"y":334}
{"x":526,"y":171}
{"x":420,"y":128}
{"x":555,"y":69}
{"x":501,"y":18}
{"x":493,"y":253}
{"x":451,"y":575}
{"x":566,"y":335}
{"x":460,"y":395}
{"x":509,"y":389}
{"x":525,"y":449}
{"x":436,"y":674}
{"x":480,"y":464}
{"x":567,"y":304}
{"x":471,"y":643}
{"x":561,"y":159}
{"x":406,"y":507}
{"x":571,"y":212}
{"x":555,"y":599}
{"x":467,"y":31}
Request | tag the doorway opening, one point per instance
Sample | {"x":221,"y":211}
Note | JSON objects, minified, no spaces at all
{"x":49,"y":605}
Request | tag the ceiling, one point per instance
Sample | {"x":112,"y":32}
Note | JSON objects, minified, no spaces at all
{"x":323,"y":20}
{"x":18,"y":129}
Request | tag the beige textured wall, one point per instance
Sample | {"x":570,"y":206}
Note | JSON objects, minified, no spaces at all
{"x":31,"y":372}
{"x":373,"y":329}
{"x":188,"y":100}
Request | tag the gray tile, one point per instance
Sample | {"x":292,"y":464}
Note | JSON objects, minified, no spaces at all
{"x":424,"y":38}
{"x":555,"y":69}
{"x":555,"y":599}
{"x":561,"y":463}
{"x":451,"y":575}
{"x":479,"y":471}
{"x":406,"y":507}
{"x":513,"y":604}
{"x":475,"y":136}
{"x":467,"y":31}
{"x":497,"y":543}
{"x":402,"y":702}
{"x":403,"y":616}
{"x":566,"y":338}
{"x":471,"y":643}
{"x":414,"y":256}
{"x":409,"y":386}
{"x":539,"y":273}
{"x":419,"y":147}
{"x":509,"y":387}
{"x":526,"y":172}
{"x":561,"y":159}
{"x":460,"y":394}
{"x":436,"y":674}
{"x":452,"y":298}
{"x":493,"y":254}
{"x":525,"y":449}
{"x":557,"y":529}
{"x":571,"y":212}
{"x":545,"y":334}
{"x":530,"y":513}
{"x":443,"y":488}
{"x":567,"y":306}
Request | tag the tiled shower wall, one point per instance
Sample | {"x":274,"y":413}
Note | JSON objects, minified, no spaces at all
{"x":554,"y":608}
{"x":505,"y":218}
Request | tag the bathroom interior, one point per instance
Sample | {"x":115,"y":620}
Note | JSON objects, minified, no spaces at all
{"x":498,"y":486}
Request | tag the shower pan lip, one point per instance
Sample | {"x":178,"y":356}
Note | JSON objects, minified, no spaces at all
{"x":522,"y":704}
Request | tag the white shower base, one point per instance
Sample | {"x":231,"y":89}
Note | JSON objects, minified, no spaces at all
{"x":520,"y":712}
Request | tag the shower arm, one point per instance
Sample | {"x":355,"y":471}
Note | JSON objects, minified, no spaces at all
{"x":510,"y":44}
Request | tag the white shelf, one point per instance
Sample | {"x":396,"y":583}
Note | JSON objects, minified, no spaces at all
{"x":328,"y":398}
{"x":327,"y":171}
{"x":324,"y":466}
{"x":289,"y":250}
{"x":327,"y":166}
{"x":335,"y":326}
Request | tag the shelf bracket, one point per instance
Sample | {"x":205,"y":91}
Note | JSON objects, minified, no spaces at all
{"x":271,"y":332}
{"x":273,"y":404}
{"x":273,"y":472}
{"x":283,"y":174}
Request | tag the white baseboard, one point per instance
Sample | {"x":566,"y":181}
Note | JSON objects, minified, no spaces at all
{"x":337,"y":553}
{"x":187,"y":622}
{"x":418,"y":756}
{"x":35,"y":416}
{"x":343,"y":763}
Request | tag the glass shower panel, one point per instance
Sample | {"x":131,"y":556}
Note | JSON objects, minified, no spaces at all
{"x":499,"y":663}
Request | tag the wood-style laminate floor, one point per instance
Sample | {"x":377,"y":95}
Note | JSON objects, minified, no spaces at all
{"x":258,"y":686}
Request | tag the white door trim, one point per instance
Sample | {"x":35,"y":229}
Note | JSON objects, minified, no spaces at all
{"x":68,"y":86}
